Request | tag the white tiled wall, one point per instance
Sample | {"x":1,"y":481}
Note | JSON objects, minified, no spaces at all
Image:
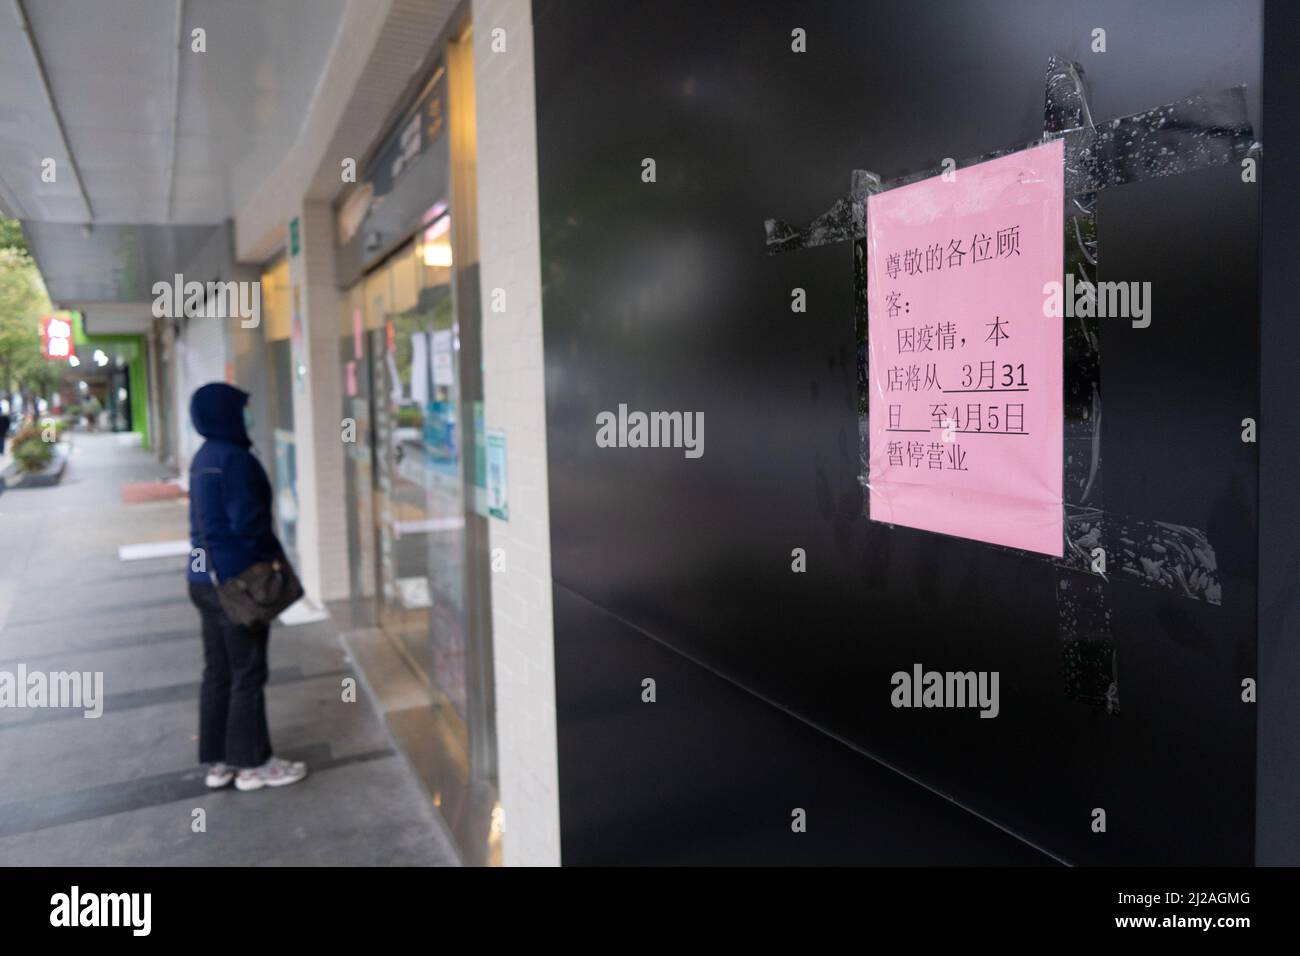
{"x":515,"y":401}
{"x":317,"y":411}
{"x":200,"y":355}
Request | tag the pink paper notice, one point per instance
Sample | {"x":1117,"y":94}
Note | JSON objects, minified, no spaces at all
{"x":965,"y":368}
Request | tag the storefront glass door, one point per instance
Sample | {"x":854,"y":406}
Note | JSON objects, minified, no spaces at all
{"x":419,"y":499}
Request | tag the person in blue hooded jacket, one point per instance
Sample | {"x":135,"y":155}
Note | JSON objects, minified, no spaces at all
{"x":230,"y":530}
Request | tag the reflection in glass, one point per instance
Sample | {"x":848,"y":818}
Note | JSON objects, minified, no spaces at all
{"x":420,"y":502}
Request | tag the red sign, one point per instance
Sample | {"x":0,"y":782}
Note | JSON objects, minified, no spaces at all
{"x":56,"y":337}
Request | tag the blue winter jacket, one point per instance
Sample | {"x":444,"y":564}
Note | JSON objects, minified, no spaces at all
{"x":230,"y":496}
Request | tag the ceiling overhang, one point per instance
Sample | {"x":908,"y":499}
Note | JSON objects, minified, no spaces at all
{"x":123,"y":145}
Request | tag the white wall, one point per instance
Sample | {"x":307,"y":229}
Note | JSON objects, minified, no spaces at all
{"x":318,"y":411}
{"x":515,"y":401}
{"x":200,"y":356}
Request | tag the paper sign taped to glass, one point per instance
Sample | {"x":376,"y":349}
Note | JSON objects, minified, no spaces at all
{"x":965,"y":369}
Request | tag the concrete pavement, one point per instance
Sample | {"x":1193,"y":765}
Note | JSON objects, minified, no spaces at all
{"x":124,"y":789}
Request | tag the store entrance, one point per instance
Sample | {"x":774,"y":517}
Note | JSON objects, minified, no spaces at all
{"x":419,"y":501}
{"x":413,"y":385}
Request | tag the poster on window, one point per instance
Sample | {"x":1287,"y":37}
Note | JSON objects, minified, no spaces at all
{"x":965,"y":364}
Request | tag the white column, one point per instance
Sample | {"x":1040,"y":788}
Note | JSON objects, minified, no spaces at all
{"x":317,"y":407}
{"x":515,"y":401}
{"x":163,"y":393}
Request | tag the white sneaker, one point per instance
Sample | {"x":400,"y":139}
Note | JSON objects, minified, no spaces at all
{"x":219,"y":775}
{"x":274,"y":773}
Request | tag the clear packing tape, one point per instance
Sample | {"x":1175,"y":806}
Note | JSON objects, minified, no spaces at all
{"x":1180,"y":137}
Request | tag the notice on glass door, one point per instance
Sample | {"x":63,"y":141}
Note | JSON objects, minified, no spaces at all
{"x":497,"y":484}
{"x":444,"y":373}
{"x":965,"y":366}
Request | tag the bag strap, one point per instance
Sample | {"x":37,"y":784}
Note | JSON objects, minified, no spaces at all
{"x":198,"y":518}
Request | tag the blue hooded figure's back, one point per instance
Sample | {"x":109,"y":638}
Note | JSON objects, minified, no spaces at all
{"x":230,"y":496}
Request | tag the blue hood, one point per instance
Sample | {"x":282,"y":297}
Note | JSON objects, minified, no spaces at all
{"x":217,"y":411}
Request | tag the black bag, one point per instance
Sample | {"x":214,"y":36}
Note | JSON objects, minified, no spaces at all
{"x":260,"y":592}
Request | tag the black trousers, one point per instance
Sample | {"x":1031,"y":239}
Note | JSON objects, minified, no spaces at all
{"x":232,"y":703}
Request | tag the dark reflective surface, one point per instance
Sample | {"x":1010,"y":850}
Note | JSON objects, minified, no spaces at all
{"x":662,"y":296}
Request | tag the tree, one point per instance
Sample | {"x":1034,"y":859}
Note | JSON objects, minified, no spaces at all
{"x":11,"y":236}
{"x":23,"y":299}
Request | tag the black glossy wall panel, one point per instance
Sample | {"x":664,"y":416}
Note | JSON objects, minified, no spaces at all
{"x":711,"y":774}
{"x":662,"y":296}
{"x":1277,"y":825}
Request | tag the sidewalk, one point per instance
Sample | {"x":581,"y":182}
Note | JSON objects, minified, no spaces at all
{"x":123,"y":789}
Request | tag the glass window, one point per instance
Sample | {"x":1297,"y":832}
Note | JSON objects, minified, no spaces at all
{"x":277,"y":325}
